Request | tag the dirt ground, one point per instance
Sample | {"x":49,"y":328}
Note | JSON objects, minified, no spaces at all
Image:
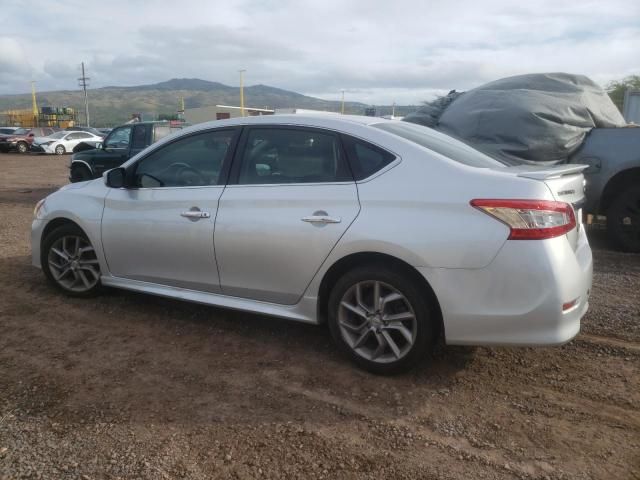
{"x":134,"y":386}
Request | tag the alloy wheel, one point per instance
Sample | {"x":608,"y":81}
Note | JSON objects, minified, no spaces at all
{"x":73,"y":263}
{"x":377,"y":321}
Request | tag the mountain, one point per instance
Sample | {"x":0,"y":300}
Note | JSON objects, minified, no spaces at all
{"x":110,"y":106}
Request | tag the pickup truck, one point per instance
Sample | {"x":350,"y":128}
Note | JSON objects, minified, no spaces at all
{"x":120,"y":145}
{"x":613,"y":182}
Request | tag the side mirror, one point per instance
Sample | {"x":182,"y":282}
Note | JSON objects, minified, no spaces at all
{"x":115,"y":178}
{"x":99,"y":145}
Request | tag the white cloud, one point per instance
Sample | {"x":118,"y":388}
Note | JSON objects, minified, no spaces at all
{"x":379,"y":51}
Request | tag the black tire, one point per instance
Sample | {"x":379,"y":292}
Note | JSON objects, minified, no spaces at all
{"x":80,"y":173}
{"x":60,"y":150}
{"x":420,"y":303}
{"x":623,"y":220}
{"x":50,"y":240}
{"x":22,"y":147}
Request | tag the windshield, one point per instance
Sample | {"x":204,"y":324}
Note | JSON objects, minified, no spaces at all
{"x":440,"y":143}
{"x":58,"y":135}
{"x":21,"y":131}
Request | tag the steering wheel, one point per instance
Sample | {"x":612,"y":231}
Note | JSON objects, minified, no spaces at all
{"x":187,"y":175}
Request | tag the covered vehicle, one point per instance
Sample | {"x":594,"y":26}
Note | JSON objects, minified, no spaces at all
{"x":548,"y":119}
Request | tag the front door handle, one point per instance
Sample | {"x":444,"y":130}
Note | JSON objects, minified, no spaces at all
{"x":194,"y":213}
{"x":321,"y":217}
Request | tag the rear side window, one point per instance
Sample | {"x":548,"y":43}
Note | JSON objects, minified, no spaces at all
{"x":286,"y":155}
{"x":139,"y":136}
{"x":366,"y":159}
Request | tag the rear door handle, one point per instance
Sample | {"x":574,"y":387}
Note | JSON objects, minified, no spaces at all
{"x":194,"y":214}
{"x":321,"y":217}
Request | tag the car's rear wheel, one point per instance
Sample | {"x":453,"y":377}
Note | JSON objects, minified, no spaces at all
{"x":381,"y":319}
{"x":80,"y":173}
{"x":623,"y":220}
{"x":60,"y":150}
{"x":69,"y":261}
{"x":22,"y":147}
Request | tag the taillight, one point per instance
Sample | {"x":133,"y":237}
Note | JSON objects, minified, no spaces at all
{"x":530,"y":219}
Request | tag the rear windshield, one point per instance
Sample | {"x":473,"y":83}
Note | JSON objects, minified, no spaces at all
{"x":440,"y":143}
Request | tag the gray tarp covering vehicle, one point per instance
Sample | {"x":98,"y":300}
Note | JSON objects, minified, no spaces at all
{"x":548,"y":119}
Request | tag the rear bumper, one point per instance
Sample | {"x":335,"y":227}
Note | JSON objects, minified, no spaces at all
{"x":518,"y":298}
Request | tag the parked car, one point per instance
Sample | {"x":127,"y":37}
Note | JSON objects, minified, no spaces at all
{"x":62,"y":142}
{"x":91,"y":130}
{"x":22,"y":138}
{"x":7,"y":130}
{"x":122,"y":143}
{"x":391,"y":232}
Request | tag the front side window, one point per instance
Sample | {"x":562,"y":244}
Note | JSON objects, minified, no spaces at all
{"x":281,"y":155}
{"x":119,"y":138}
{"x":195,"y":160}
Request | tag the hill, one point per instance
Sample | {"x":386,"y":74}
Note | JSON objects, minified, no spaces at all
{"x":113,"y":105}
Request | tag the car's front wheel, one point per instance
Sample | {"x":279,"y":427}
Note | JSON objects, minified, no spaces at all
{"x":381,"y":319}
{"x":60,"y":150}
{"x":22,"y":147}
{"x":69,"y":261}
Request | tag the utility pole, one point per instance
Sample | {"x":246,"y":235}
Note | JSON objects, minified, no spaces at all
{"x":83,"y":82}
{"x":342,"y":109}
{"x":242,"y":92}
{"x":34,"y":105}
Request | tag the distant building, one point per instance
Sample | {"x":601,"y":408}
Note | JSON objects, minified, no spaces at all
{"x":221,"y":112}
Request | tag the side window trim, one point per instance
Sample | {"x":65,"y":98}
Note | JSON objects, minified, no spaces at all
{"x":222,"y":178}
{"x":236,"y":165}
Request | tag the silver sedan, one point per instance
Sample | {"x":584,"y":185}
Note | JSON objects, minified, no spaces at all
{"x":391,"y":233}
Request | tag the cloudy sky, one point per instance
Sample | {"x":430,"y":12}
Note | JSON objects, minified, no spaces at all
{"x":378,"y":51}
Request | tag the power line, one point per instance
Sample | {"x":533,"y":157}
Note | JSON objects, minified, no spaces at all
{"x":83,"y":82}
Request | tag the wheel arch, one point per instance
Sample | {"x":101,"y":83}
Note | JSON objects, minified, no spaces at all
{"x":617,"y":184}
{"x":351,"y":261}
{"x":58,"y":222}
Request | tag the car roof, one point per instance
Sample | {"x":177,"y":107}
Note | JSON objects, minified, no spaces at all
{"x":324,"y":120}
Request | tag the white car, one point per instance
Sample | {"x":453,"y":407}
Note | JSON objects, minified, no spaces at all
{"x":390,"y":232}
{"x":62,"y":142}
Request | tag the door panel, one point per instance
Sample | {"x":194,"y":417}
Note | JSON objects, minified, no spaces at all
{"x":146,"y":237}
{"x":160,"y":229}
{"x":265,"y":250}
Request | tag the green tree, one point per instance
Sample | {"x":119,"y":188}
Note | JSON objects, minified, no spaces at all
{"x":617,"y":88}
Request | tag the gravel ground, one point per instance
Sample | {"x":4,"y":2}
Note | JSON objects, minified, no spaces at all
{"x":133,"y":386}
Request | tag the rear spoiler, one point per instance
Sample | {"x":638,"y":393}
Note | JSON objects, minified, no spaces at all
{"x":553,"y":172}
